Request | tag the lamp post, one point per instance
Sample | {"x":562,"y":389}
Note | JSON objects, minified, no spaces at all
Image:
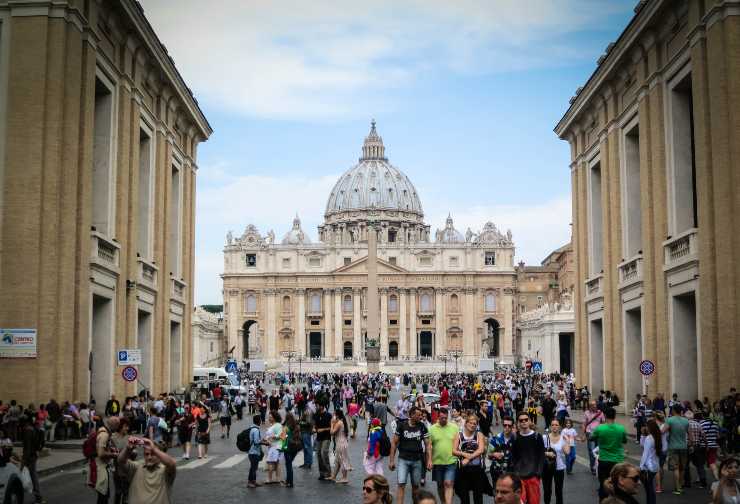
{"x":456,"y":354}
{"x":288,"y":354}
{"x":445,"y":358}
{"x":300,"y":360}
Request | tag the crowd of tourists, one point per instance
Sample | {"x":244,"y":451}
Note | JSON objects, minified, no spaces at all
{"x":471,"y":435}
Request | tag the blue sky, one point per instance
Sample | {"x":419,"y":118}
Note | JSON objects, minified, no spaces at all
{"x":465,"y":93}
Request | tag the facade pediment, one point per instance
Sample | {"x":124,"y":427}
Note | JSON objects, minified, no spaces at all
{"x":360,"y":266}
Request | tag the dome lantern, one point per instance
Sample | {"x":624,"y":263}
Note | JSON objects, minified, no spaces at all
{"x":373,"y":147}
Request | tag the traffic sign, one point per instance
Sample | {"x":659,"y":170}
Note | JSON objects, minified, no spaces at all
{"x":129,"y":373}
{"x":647,"y":367}
{"x":528,"y":364}
{"x":129,"y":356}
{"x":537,"y":367}
{"x":231,"y":367}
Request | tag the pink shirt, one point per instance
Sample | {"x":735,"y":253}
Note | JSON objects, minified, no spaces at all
{"x":353,"y":409}
{"x":591,"y":421}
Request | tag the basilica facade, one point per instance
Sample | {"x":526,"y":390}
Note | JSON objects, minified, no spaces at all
{"x":443,"y":295}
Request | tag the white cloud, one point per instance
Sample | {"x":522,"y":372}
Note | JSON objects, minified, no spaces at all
{"x":270,"y":202}
{"x":326,"y":58}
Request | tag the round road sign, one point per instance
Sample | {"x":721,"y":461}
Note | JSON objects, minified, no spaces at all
{"x":129,"y":373}
{"x":647,"y":367}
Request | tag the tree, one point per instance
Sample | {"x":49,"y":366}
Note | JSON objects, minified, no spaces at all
{"x":213,"y":308}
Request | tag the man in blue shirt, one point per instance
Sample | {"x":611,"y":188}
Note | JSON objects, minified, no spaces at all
{"x":255,"y":451}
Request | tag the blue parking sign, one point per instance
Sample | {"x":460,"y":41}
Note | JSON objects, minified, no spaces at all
{"x":231,"y":367}
{"x":123,"y":356}
{"x":537,"y":367}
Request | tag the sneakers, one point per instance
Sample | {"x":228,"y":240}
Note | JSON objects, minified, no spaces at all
{"x":658,"y":489}
{"x":678,"y":491}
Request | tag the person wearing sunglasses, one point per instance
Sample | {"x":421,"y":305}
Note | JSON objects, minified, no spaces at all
{"x":376,"y":490}
{"x":499,"y":449}
{"x":528,"y":459}
{"x":623,"y":483}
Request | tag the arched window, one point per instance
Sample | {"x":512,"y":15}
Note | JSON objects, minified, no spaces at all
{"x":490,"y":302}
{"x":393,"y":350}
{"x":454,"y":303}
{"x":251,"y":303}
{"x":315,"y":303}
{"x":393,"y":304}
{"x":426,"y":303}
{"x":347,"y":304}
{"x":286,"y":304}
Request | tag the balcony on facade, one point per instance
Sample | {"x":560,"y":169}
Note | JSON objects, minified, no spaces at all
{"x":104,"y":252}
{"x":595,"y":287}
{"x":177,"y":290}
{"x":147,"y":274}
{"x":630,"y":272}
{"x":681,"y":251}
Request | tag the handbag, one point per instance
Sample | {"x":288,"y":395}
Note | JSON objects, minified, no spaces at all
{"x":550,"y":463}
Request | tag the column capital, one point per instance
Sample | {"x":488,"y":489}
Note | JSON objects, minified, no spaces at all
{"x":441,"y":290}
{"x":470,"y":290}
{"x":327,"y":290}
{"x":234,"y":292}
{"x":300,"y":291}
{"x":338,"y":290}
{"x":384,"y":291}
{"x":269,"y":292}
{"x":412,"y":291}
{"x":356,"y":291}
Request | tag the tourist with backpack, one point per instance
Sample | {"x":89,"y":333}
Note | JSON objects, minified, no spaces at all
{"x":253,"y":448}
{"x":373,"y":460}
{"x":99,"y":448}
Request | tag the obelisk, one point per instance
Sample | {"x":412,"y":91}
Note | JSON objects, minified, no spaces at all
{"x":372,"y":348}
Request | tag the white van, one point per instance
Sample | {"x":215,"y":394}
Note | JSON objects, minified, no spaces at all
{"x":209,"y":374}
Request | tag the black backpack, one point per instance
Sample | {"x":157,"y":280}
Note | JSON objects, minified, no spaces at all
{"x":385,"y":444}
{"x":244,"y":440}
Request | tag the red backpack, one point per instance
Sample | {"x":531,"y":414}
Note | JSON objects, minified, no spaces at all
{"x":90,"y":445}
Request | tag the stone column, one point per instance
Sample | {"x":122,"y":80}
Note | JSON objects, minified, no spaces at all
{"x":356,"y":323}
{"x":232,"y":339}
{"x":508,"y":340}
{"x":469,"y":333}
{"x":440,"y":343}
{"x":271,"y":332}
{"x":413,"y":350}
{"x":300,"y":336}
{"x":338,"y":322}
{"x":328,"y":347}
{"x":384,"y":323}
{"x":402,"y":336}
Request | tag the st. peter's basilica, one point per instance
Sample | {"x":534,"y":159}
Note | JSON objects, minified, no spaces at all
{"x":441,"y":293}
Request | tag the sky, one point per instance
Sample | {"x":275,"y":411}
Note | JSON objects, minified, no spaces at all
{"x":465,"y":93}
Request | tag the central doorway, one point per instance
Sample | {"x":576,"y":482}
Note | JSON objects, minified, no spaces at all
{"x":425,"y":344}
{"x":247,"y":329}
{"x":314,"y":344}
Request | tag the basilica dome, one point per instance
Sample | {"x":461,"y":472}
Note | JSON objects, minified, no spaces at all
{"x":373,"y":184}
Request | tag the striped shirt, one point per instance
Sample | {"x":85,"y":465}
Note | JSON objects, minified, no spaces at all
{"x":711,"y":431}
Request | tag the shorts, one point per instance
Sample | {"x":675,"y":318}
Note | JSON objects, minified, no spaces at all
{"x":408,"y":468}
{"x":677,"y":459}
{"x":225,"y":420}
{"x":711,"y":456}
{"x":662,"y":456}
{"x":441,"y":473}
{"x":273,"y":455}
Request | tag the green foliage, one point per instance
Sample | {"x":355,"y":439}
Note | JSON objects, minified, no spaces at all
{"x":213,"y":308}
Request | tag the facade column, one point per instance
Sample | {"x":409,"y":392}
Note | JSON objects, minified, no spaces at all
{"x":440,"y":337}
{"x":402,"y":336}
{"x":271,"y":332}
{"x":328,"y":346}
{"x":413,"y":338}
{"x":384,"y":323}
{"x":469,"y":323}
{"x":338,"y":321}
{"x":300,"y":343}
{"x":233,"y":322}
{"x":357,"y":323}
{"x":508,"y":341}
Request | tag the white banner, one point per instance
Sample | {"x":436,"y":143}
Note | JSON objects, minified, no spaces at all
{"x":17,"y":343}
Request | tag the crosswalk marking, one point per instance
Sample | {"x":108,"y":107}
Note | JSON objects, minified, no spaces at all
{"x":231,"y":461}
{"x":195,"y":463}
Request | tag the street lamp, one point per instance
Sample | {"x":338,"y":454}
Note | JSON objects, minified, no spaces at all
{"x":444,"y":359}
{"x":300,"y":360}
{"x":456,"y":354}
{"x":288,"y":354}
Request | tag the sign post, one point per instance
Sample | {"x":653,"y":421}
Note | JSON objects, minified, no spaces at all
{"x":647,"y":367}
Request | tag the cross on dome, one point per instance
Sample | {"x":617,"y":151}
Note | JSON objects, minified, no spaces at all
{"x":373,"y":147}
